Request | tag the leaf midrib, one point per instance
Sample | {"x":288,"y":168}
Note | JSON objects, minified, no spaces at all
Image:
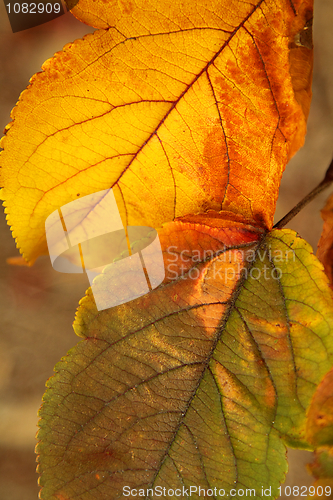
{"x":232,"y":300}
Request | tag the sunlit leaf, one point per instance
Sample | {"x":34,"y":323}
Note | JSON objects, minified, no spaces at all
{"x":195,"y":383}
{"x":188,"y":111}
{"x":180,"y":107}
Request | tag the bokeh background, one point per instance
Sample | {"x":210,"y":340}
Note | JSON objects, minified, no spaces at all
{"x":37,"y":304}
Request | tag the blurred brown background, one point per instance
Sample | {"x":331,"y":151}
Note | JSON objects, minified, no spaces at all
{"x":37,"y":305}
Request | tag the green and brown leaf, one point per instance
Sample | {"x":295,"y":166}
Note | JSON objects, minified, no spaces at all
{"x":198,"y":383}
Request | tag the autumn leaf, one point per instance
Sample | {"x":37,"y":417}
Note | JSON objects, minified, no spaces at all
{"x":178,"y":109}
{"x":319,"y":432}
{"x":195,"y":383}
{"x":325,"y":245}
{"x":189,"y":113}
{"x":320,"y":414}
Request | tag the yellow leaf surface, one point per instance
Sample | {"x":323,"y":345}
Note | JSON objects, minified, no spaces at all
{"x":179,"y":107}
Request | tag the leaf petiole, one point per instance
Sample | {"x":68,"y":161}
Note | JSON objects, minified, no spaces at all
{"x":328,"y":179}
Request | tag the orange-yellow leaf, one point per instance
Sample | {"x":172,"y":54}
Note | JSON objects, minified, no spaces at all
{"x":17,"y":261}
{"x":181,"y":107}
{"x":319,"y":432}
{"x":325,"y":245}
{"x":320,"y":415}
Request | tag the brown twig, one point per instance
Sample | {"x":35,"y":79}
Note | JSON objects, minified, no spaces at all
{"x":328,"y":179}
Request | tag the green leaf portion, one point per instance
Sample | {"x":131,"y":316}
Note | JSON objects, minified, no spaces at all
{"x":290,"y":319}
{"x":194,"y":384}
